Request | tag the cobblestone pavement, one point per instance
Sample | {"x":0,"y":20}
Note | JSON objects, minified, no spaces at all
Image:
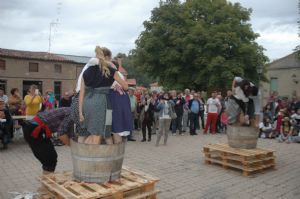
{"x":179,"y":165}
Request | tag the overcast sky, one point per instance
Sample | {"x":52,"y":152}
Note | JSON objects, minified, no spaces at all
{"x":116,"y":24}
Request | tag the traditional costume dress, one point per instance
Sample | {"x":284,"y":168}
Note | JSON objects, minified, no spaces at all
{"x":96,"y":106}
{"x":80,"y":130}
{"x":122,"y":121}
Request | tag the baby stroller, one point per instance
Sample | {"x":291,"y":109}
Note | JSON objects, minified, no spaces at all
{"x":224,"y":122}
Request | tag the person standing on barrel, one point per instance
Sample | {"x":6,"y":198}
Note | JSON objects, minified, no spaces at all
{"x":39,"y":130}
{"x":95,"y":112}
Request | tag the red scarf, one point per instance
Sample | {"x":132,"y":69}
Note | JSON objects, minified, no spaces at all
{"x":41,"y":125}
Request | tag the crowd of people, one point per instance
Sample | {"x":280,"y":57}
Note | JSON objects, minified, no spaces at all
{"x":32,"y":103}
{"x":281,"y":118}
{"x":179,"y":112}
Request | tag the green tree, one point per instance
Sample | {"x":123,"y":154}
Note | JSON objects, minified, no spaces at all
{"x":133,"y":71}
{"x":199,"y":44}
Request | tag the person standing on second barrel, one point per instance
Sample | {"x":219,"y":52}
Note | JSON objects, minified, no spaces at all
{"x":94,"y":106}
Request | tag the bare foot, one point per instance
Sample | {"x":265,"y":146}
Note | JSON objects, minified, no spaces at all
{"x":116,"y":138}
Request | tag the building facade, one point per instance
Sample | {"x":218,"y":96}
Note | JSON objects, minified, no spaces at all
{"x":284,"y":77}
{"x":20,"y":69}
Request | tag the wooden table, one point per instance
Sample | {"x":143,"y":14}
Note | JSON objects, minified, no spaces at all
{"x":22,"y":117}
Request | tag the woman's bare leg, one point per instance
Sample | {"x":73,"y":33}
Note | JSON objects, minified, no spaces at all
{"x":109,"y":140}
{"x":116,"y":138}
{"x":81,"y":139}
{"x":93,"y":139}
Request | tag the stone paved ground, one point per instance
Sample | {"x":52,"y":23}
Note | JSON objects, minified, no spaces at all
{"x":179,"y":166}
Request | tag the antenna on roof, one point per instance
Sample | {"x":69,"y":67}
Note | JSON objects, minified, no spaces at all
{"x":54,"y":24}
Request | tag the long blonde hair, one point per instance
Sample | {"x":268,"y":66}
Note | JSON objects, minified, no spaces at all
{"x":101,"y":56}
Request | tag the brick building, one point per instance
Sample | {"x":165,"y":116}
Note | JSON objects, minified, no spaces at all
{"x":57,"y":72}
{"x":20,"y":69}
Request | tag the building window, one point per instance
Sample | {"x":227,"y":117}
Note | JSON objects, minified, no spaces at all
{"x":3,"y":85}
{"x":57,"y":90}
{"x":274,"y":84}
{"x":33,"y":67}
{"x":2,"y":64}
{"x":57,"y":68}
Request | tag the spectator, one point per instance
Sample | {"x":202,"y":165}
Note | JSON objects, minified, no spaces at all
{"x":3,"y":96}
{"x":221,"y":110}
{"x":296,"y":125}
{"x":49,"y":100}
{"x":66,"y":100}
{"x":266,"y":129}
{"x":5,"y":123}
{"x":185,"y":117}
{"x":33,"y":101}
{"x":133,"y":106}
{"x":15,"y":102}
{"x":281,"y":114}
{"x":202,"y":109}
{"x":166,"y":109}
{"x":213,"y":107}
{"x":293,"y":105}
{"x":147,"y":116}
{"x":228,"y":96}
{"x":224,"y":122}
{"x":155,"y":99}
{"x":179,"y":103}
{"x":268,"y":113}
{"x":286,"y":131}
{"x":194,"y":111}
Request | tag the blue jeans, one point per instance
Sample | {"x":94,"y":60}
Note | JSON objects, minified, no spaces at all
{"x":176,"y":124}
{"x":282,"y":138}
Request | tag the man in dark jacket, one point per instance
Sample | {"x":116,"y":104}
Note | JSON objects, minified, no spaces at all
{"x":177,"y":123}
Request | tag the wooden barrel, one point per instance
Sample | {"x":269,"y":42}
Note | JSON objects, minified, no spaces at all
{"x":97,"y":163}
{"x":242,"y":137}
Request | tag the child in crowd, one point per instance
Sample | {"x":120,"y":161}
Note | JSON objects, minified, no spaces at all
{"x":224,"y":121}
{"x":296,"y":125}
{"x":266,"y":129}
{"x":286,"y":131}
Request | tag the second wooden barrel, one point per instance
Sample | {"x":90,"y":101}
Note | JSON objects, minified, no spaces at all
{"x":242,"y":137}
{"x":97,"y":163}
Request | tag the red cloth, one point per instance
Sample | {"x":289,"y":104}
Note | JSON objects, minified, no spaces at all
{"x":211,"y":117}
{"x":224,"y":118}
{"x":41,"y":125}
{"x":187,"y":98}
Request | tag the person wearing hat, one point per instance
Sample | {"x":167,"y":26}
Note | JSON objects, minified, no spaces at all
{"x":39,"y":130}
{"x":286,"y":131}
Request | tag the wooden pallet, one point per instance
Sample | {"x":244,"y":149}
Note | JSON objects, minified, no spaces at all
{"x":248,"y":160}
{"x":132,"y":185}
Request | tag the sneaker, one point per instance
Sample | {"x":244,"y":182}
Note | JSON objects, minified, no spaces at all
{"x":173,"y":134}
{"x":143,"y":140}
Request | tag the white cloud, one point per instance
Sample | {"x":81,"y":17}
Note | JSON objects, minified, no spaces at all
{"x":117,"y":23}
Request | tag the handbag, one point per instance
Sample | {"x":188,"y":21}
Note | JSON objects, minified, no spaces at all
{"x":173,"y":115}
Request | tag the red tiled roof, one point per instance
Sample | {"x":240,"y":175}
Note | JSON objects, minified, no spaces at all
{"x":131,"y":82}
{"x":44,"y":56}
